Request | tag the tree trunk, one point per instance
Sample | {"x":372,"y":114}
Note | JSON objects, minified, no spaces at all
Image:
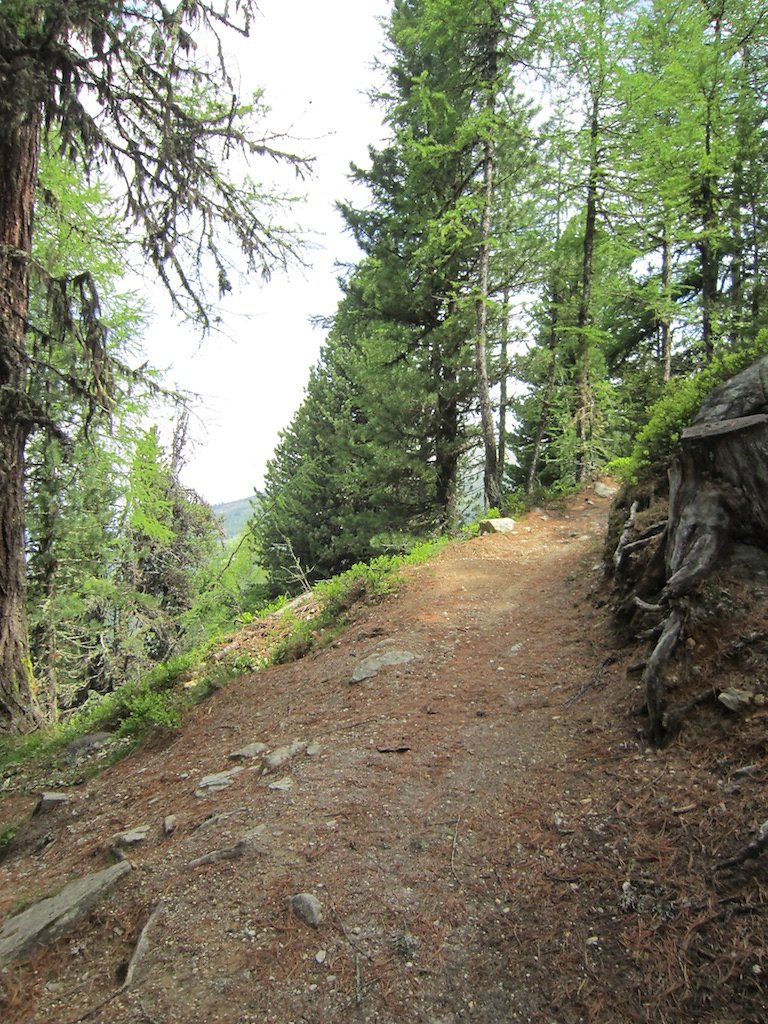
{"x":585,"y":408}
{"x":708,"y":245}
{"x":19,"y":151}
{"x":447,"y":430}
{"x":665,"y":319}
{"x":504,"y":386}
{"x":493,"y":495}
{"x":546,"y":401}
{"x":708,"y":268}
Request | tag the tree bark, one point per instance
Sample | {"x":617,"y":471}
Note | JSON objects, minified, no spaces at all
{"x":665,"y":319}
{"x":19,"y":150}
{"x":585,"y":409}
{"x":504,"y":386}
{"x":447,"y":431}
{"x":549,"y":387}
{"x":493,"y":495}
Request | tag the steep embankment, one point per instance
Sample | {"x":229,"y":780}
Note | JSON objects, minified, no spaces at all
{"x":487,"y":833}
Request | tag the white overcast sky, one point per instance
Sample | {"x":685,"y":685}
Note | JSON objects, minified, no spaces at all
{"x":314,"y":60}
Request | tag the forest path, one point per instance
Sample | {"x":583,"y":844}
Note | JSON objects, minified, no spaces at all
{"x":467,"y":818}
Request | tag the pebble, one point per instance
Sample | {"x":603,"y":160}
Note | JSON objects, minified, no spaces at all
{"x":307,"y":908}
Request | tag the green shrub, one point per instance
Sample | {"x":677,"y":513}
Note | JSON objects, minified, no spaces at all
{"x":147,"y":709}
{"x":655,"y":444}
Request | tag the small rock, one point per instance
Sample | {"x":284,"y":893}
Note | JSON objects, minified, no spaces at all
{"x":735,"y":699}
{"x":48,"y":801}
{"x":314,"y":749}
{"x":372,"y":665}
{"x":248,"y":752}
{"x":282,"y":784}
{"x":496,"y":525}
{"x":214,"y":820}
{"x":561,"y":824}
{"x":132,"y":836}
{"x":230,"y":853}
{"x":169,"y":824}
{"x":406,"y":945}
{"x":282,"y":755}
{"x":321,"y":956}
{"x":215,"y":783}
{"x":307,"y":908}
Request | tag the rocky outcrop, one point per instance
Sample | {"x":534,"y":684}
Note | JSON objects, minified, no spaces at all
{"x":53,"y":917}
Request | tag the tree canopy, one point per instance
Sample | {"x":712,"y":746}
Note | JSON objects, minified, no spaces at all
{"x":566,"y":221}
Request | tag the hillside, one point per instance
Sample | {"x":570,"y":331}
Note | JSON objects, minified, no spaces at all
{"x":470,"y":800}
{"x":235,"y":514}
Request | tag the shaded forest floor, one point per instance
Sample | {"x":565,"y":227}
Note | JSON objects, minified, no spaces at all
{"x":487,"y":831}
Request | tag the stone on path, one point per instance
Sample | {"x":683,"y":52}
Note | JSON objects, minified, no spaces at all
{"x":48,"y":920}
{"x":48,"y":801}
{"x":215,"y":783}
{"x":282,"y":785}
{"x":307,"y":908}
{"x":497,"y":525}
{"x":735,"y":699}
{"x":604,"y":490}
{"x":372,"y":665}
{"x":132,"y":836}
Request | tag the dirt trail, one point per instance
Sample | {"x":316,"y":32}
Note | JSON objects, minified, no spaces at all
{"x":469,"y":821}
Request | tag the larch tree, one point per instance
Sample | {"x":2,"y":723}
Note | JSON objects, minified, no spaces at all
{"x":123,"y":88}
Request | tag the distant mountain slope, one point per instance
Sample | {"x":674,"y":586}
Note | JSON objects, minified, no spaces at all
{"x":235,"y":514}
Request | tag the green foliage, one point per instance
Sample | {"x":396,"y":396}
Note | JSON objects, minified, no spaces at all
{"x":655,"y":445}
{"x":8,"y":833}
{"x":147,"y":709}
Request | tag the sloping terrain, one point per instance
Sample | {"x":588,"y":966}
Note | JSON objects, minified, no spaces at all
{"x":479,"y":817}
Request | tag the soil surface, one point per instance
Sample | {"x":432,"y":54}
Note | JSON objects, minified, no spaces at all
{"x":488,"y":834}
